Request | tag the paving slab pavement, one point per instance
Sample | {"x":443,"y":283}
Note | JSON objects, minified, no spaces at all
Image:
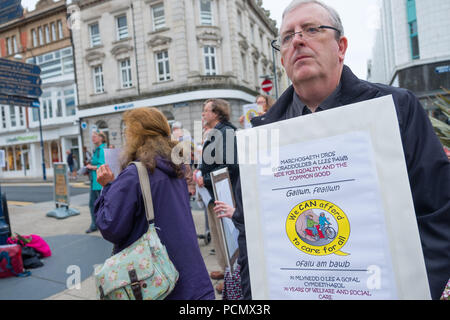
{"x":74,"y":253}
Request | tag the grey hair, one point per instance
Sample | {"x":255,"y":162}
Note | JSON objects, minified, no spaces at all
{"x":334,"y":15}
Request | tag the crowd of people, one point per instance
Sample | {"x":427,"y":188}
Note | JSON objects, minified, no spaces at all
{"x":313,"y":47}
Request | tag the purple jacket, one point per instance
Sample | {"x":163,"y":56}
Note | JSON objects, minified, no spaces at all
{"x":120,"y":217}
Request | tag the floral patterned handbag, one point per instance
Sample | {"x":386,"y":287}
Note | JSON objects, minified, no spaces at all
{"x":143,"y":271}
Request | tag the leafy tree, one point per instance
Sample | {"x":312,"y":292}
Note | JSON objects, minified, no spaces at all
{"x":441,"y":126}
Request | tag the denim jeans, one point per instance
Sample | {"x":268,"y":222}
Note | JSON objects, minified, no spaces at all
{"x":93,"y":195}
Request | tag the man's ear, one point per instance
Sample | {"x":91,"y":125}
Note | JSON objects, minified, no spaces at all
{"x":282,"y":61}
{"x":343,"y":44}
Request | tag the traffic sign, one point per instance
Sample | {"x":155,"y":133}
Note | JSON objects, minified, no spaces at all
{"x":266,"y":85}
{"x":29,"y":91}
{"x":19,"y":101}
{"x":442,"y":69}
{"x":19,"y":67}
{"x":20,"y":78}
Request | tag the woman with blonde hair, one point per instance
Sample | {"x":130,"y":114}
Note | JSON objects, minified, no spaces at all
{"x":120,"y":209}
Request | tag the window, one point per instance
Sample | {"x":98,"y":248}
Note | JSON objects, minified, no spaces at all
{"x":36,"y":114}
{"x":239,"y":21}
{"x":162,"y":66}
{"x":47,"y":105}
{"x":414,"y":36}
{"x":122,"y":27}
{"x":209,"y":54}
{"x":94,"y":32}
{"x":21,"y":116}
{"x":69,"y":100}
{"x":41,"y":37}
{"x":60,"y":29}
{"x":67,"y":60}
{"x":34,"y":37}
{"x":8,"y":46}
{"x":98,"y":79}
{"x":413,"y":30}
{"x":205,"y":13}
{"x":244,"y":65}
{"x":59,"y":108}
{"x":15,"y":47}
{"x":252,"y":32}
{"x":54,"y":32}
{"x":12,"y":116}
{"x":3,"y":118}
{"x":159,"y":20}
{"x":55,"y":63}
{"x":47,"y":34}
{"x":125,"y":73}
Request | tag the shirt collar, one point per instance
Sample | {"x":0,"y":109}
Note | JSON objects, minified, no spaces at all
{"x":330,"y":102}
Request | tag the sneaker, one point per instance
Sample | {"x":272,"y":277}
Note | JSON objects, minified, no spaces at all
{"x":90,"y":230}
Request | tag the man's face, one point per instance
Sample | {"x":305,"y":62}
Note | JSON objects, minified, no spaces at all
{"x":208,"y":116}
{"x":309,"y":59}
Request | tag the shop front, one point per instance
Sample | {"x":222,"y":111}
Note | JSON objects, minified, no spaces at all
{"x":23,"y":153}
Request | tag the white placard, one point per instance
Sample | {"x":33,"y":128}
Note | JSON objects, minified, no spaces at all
{"x":112,"y":159}
{"x":223,"y":192}
{"x":249,"y":111}
{"x":334,"y":218}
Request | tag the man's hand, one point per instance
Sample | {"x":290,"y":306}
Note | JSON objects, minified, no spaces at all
{"x":104,"y":175}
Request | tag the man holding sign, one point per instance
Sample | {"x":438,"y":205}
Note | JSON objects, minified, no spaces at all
{"x":313,"y":47}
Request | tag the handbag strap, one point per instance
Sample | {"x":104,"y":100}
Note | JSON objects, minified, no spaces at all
{"x":145,"y":188}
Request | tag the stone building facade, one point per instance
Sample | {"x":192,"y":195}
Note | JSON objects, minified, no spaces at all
{"x":171,"y":54}
{"x":41,"y":37}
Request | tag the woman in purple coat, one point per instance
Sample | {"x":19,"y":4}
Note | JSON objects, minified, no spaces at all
{"x":120,"y":211}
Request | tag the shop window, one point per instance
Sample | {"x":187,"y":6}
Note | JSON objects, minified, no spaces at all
{"x":18,"y":158}
{"x":10,"y":159}
{"x":26,"y":157}
{"x":55,"y":152}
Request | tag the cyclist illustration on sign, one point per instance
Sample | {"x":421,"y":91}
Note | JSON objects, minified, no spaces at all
{"x":315,"y":229}
{"x":318,"y":227}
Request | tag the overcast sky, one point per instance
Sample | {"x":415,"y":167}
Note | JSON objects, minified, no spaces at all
{"x":359,"y":17}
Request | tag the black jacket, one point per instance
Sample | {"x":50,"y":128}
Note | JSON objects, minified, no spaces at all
{"x":427,"y":165}
{"x":220,"y":151}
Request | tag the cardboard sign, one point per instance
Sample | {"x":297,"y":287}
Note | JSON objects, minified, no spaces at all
{"x":331,"y":215}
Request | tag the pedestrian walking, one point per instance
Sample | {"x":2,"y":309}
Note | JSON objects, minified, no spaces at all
{"x":120,"y":209}
{"x":98,"y":158}
{"x":70,"y":163}
{"x":218,"y":152}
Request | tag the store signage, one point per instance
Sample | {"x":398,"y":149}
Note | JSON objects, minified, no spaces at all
{"x":22,"y":139}
{"x":124,"y":106}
